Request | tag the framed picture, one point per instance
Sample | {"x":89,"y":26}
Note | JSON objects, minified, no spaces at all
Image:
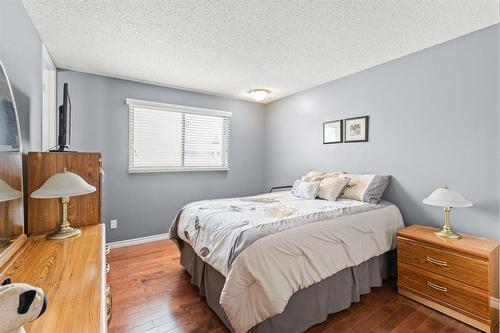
{"x":356,"y":129}
{"x":332,"y":132}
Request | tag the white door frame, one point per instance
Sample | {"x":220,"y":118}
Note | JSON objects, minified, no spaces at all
{"x":49,"y":108}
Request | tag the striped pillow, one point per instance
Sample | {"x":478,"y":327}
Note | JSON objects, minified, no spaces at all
{"x":367,"y":188}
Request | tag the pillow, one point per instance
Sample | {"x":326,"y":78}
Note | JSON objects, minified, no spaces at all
{"x":295,"y":187}
{"x":367,"y":188}
{"x":332,"y":174}
{"x":331,"y":187}
{"x":307,"y":190}
{"x":312,"y":176}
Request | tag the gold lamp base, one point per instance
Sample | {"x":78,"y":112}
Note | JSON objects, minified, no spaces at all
{"x":65,"y":230}
{"x":63,"y":233}
{"x":446,"y":232}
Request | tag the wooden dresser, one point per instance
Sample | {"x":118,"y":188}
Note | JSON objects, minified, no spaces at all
{"x":73,"y":274}
{"x":458,"y":277}
{"x":45,"y":215}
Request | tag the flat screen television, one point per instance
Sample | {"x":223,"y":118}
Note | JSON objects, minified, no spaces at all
{"x":64,"y":122}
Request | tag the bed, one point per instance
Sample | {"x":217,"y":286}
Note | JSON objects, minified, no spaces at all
{"x":278,"y":263}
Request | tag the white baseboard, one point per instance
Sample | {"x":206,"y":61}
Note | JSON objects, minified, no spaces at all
{"x":136,"y":241}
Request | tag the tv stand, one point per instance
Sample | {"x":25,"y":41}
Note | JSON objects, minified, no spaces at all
{"x":62,"y":149}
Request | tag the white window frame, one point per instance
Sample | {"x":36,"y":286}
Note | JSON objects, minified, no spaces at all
{"x":49,"y":96}
{"x":133,"y":103}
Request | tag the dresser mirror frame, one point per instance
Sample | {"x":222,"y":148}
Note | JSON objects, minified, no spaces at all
{"x":11,"y":174}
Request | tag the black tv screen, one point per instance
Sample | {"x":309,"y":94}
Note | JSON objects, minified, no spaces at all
{"x":64,"y":121}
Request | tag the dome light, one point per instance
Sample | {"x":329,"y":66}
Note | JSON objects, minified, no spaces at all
{"x":259,"y":94}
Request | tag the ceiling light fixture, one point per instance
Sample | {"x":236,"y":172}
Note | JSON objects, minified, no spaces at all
{"x":259,"y":94}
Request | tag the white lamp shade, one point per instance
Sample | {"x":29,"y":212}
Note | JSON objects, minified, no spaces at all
{"x":64,"y":184}
{"x":7,"y":193}
{"x":444,"y":197}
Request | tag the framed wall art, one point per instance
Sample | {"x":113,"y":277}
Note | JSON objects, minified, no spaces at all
{"x":356,"y":129}
{"x":332,"y":132}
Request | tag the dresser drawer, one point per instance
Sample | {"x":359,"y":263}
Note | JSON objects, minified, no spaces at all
{"x":459,"y":267}
{"x":453,"y":294}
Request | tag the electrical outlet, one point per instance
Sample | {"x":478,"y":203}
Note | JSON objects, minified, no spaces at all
{"x":114,"y":224}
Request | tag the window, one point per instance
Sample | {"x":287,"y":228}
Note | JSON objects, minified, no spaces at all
{"x":164,"y":137}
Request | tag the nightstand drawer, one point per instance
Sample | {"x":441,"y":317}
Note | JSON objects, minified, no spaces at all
{"x":462,"y":268}
{"x":461,"y":297}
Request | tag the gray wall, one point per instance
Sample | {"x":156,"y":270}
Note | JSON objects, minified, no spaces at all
{"x":433,"y":120}
{"x":21,"y":54}
{"x":145,"y":204}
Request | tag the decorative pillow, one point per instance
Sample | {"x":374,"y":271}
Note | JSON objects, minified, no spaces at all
{"x":295,"y":187}
{"x":312,"y":176}
{"x":367,"y":188}
{"x":331,"y":187}
{"x":307,"y":190}
{"x":332,"y":174}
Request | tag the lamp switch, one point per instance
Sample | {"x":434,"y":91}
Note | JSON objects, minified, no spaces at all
{"x":114,"y":224}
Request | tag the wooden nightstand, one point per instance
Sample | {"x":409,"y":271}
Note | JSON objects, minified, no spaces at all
{"x":458,"y":277}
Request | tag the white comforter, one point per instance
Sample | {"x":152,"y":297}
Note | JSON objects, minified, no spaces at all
{"x":310,"y":241}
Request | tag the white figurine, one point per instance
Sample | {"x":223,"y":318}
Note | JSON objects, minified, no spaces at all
{"x":19,"y":303}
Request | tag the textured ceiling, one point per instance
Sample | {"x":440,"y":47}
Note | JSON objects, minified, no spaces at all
{"x":229,"y":47}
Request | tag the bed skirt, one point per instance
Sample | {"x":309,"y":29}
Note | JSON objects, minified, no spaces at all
{"x":308,"y":306}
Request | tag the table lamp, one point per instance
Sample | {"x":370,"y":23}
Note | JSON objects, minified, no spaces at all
{"x":63,"y":185}
{"x":446,"y":198}
{"x":7,"y":193}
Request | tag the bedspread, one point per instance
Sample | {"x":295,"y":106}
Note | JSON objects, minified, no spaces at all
{"x":272,"y":245}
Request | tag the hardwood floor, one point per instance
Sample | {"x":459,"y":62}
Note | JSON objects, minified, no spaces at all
{"x":152,"y":293}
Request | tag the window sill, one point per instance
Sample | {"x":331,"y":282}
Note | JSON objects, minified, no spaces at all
{"x":187,"y":169}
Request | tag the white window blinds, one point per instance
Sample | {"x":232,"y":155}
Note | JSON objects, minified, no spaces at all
{"x":164,"y":137}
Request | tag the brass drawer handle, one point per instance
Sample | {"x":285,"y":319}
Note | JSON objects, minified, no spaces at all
{"x":108,"y":268}
{"x":109,"y":304}
{"x":107,"y":249}
{"x":109,"y":301}
{"x":109,"y":313}
{"x":437,"y":261}
{"x":437,"y":287}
